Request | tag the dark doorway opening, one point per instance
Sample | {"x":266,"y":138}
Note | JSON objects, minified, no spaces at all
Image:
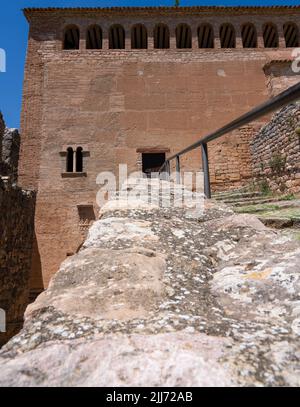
{"x":152,"y":162}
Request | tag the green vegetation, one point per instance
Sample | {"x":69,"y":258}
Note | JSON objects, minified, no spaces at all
{"x":271,"y":210}
{"x":277,"y":163}
{"x":264,"y":187}
{"x":257,"y":208}
{"x":288,"y":197}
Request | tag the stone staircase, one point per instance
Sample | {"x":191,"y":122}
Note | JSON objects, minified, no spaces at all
{"x":242,"y":197}
{"x":275,"y":211}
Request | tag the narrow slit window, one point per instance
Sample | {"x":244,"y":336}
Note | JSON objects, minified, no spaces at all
{"x":70,"y":160}
{"x":94,"y":37}
{"x":79,"y":159}
{"x":161,"y":36}
{"x":183,"y":36}
{"x":71,"y":38}
{"x":270,"y":34}
{"x":205,"y":36}
{"x":249,"y":36}
{"x":116,"y":37}
{"x":291,"y":35}
{"x":139,"y":38}
{"x":227,"y":36}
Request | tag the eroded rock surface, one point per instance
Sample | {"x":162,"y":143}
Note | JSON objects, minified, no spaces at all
{"x":159,"y":297}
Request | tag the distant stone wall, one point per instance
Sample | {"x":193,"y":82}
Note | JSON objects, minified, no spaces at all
{"x":276,"y":152}
{"x":16,"y":226}
{"x":2,"y":128}
{"x":16,"y":235}
{"x":10,"y":153}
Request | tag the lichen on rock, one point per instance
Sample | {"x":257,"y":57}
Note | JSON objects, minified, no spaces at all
{"x":156,"y":297}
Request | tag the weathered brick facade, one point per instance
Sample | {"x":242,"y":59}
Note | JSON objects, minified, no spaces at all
{"x":117,"y":103}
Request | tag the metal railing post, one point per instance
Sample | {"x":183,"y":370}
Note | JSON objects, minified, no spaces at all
{"x":168,"y":170}
{"x":162,"y":171}
{"x":177,"y":169}
{"x":205,"y":166}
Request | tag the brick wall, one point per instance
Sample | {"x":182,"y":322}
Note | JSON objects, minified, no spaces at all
{"x":232,"y":169}
{"x":276,"y":152}
{"x":280,"y":76}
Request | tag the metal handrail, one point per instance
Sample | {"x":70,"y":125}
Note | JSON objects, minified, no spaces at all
{"x":284,"y":98}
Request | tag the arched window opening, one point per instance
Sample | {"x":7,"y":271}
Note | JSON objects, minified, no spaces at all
{"x":249,"y":36}
{"x":206,"y":36}
{"x":116,"y":37}
{"x":94,"y":37}
{"x":79,"y":159}
{"x":270,"y":34}
{"x":161,"y":36}
{"x":227,"y":36}
{"x":183,"y":36}
{"x":71,"y":38}
{"x":291,"y":35}
{"x":139,"y":38}
{"x":70,"y":159}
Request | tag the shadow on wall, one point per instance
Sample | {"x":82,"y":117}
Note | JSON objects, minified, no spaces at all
{"x":17,"y":209}
{"x":36,"y":285}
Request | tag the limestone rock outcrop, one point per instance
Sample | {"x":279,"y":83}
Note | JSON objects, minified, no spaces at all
{"x":157,"y":297}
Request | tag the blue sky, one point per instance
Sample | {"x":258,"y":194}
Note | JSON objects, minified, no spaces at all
{"x":14,"y":31}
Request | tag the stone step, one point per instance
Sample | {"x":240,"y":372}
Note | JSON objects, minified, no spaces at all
{"x":250,"y":201}
{"x":237,"y":196}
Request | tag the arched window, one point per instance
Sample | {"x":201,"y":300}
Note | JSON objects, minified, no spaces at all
{"x":79,"y":159}
{"x":71,"y":38}
{"x":291,"y":35}
{"x":161,"y":36}
{"x":205,"y":36}
{"x":249,"y":36}
{"x":227,"y":36}
{"x":94,"y":37}
{"x":183,"y":36}
{"x":139,"y":39}
{"x":70,"y":160}
{"x":270,"y":34}
{"x":116,"y":37}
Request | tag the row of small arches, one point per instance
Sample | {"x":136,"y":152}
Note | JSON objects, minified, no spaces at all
{"x":183,"y":33}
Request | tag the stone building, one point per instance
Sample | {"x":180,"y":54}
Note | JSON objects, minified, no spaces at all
{"x":132,"y":85}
